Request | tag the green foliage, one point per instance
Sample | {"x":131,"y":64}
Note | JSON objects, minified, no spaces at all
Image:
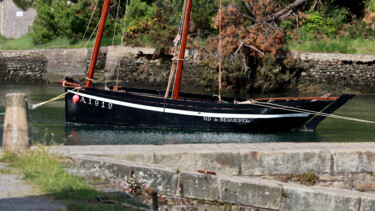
{"x":63,"y":18}
{"x":370,"y":5}
{"x":139,"y":13}
{"x":165,"y":26}
{"x":327,"y":22}
{"x":23,"y":4}
{"x":2,"y":39}
{"x":340,"y":45}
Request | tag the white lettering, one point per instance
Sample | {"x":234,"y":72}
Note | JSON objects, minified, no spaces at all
{"x":83,"y":100}
{"x":207,"y":118}
{"x":235,"y":120}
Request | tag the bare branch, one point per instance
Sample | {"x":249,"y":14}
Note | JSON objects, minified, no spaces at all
{"x":313,"y":7}
{"x":284,"y":13}
{"x":249,"y":8}
{"x":243,"y":44}
{"x":248,"y":16}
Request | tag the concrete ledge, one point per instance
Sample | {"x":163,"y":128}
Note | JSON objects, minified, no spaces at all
{"x":162,"y":180}
{"x":241,"y":190}
{"x":354,"y":161}
{"x":367,"y":203}
{"x":219,"y":162}
{"x":244,"y":159}
{"x":251,"y":192}
{"x":285,"y":162}
{"x":318,"y":198}
{"x":201,"y":186}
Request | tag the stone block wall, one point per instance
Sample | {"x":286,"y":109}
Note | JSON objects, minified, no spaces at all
{"x":345,"y":70}
{"x":18,"y":66}
{"x":137,"y":67}
{"x":154,"y":73}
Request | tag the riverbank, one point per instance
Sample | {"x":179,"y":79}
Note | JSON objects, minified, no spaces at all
{"x":273,"y":176}
{"x":47,"y":184}
{"x":337,"y":176}
{"x":17,"y":195}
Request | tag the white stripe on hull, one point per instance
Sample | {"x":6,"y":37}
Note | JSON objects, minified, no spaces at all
{"x":189,"y":113}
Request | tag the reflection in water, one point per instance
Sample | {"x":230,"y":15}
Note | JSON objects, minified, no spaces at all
{"x":47,"y":124}
{"x":89,"y":135}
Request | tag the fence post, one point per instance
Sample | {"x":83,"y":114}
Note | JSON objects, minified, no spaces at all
{"x":16,"y":129}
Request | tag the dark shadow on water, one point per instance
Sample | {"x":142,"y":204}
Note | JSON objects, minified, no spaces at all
{"x":85,"y":135}
{"x":75,"y":200}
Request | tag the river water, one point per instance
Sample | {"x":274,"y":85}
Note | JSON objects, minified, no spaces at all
{"x":47,"y":125}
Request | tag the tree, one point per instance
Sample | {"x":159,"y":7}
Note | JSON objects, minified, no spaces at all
{"x":24,"y":4}
{"x":250,"y":32}
{"x":63,"y":18}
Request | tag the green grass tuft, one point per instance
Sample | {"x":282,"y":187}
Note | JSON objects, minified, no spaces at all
{"x":46,"y":171}
{"x":25,"y":43}
{"x":342,"y":45}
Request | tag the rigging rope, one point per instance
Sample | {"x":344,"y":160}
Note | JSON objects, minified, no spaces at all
{"x":122,"y":40}
{"x":50,"y":100}
{"x":114,"y":30}
{"x":299,"y":110}
{"x":92,"y":15}
{"x":113,"y":40}
{"x":74,"y":62}
{"x":123,"y":28}
{"x":83,"y":49}
{"x":220,"y":54}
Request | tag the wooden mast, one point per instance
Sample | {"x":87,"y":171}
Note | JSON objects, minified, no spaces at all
{"x":182,"y":51}
{"x":98,"y":40}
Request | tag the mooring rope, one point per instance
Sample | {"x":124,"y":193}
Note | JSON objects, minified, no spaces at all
{"x":299,"y":110}
{"x":50,"y":100}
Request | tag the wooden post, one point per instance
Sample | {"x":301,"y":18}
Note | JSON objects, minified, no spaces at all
{"x":16,"y":129}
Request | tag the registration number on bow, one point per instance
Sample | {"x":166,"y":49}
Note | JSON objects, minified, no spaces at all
{"x":96,"y":103}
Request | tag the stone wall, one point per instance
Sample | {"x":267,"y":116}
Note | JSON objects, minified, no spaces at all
{"x":14,"y":22}
{"x":137,"y":67}
{"x":19,"y":66}
{"x":345,"y":70}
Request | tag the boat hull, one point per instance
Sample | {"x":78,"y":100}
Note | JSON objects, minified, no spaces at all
{"x":108,"y":108}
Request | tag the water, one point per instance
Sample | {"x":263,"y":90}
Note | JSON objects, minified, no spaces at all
{"x":47,"y":125}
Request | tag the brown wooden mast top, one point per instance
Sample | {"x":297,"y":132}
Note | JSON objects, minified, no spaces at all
{"x":98,"y":40}
{"x":180,"y":63}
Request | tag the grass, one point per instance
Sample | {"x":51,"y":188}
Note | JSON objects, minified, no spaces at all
{"x":46,"y":172}
{"x":342,"y":45}
{"x":308,"y":179}
{"x":25,"y":43}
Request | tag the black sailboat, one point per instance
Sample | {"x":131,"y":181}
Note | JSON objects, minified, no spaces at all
{"x":153,"y":109}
